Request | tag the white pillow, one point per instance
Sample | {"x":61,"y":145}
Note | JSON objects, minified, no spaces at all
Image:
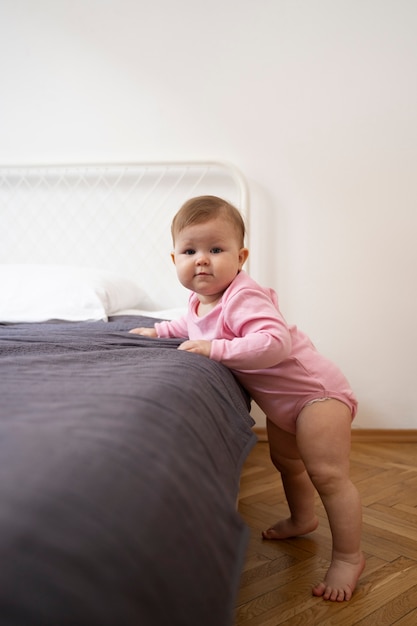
{"x":37,"y":293}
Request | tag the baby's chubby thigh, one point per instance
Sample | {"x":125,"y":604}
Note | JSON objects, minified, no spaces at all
{"x":323,"y":433}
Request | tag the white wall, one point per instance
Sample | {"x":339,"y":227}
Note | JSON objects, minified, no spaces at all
{"x":314,"y":100}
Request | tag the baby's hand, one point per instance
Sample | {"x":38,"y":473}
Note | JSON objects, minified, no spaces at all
{"x":200,"y":346}
{"x":146,"y":332}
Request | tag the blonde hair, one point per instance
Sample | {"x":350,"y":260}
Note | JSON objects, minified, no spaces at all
{"x":203,"y":209}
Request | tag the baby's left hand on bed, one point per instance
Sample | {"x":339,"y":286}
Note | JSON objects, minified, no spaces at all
{"x":146,"y":332}
{"x":199,"y":346}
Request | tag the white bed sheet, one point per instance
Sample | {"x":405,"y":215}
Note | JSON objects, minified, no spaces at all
{"x":165,"y":314}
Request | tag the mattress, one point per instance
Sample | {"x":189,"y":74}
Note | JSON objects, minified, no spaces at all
{"x":120,"y":463}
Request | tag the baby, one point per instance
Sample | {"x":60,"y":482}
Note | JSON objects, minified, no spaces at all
{"x":307,"y":400}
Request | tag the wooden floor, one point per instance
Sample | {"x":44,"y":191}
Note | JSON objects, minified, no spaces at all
{"x":278,"y":575}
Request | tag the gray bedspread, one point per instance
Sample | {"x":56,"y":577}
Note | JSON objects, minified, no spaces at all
{"x":120,"y":459}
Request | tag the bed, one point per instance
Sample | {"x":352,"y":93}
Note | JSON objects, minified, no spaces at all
{"x":120,"y":455}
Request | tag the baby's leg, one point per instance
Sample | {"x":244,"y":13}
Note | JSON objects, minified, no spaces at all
{"x":323,"y":439}
{"x":298,"y":487}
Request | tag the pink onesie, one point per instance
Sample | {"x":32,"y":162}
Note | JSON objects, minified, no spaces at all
{"x":275,"y":362}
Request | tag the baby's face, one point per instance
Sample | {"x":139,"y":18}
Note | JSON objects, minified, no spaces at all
{"x":208,"y":257}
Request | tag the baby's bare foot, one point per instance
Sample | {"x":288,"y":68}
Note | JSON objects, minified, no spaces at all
{"x":341,"y":579}
{"x":286,"y":528}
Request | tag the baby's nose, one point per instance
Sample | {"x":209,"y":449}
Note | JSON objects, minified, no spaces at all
{"x":201,"y":259}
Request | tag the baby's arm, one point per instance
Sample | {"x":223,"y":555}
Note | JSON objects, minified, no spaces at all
{"x":173,"y":328}
{"x":261,"y":335}
{"x":146,"y":332}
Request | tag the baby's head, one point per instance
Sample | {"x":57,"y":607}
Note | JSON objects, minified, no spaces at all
{"x":205,"y":208}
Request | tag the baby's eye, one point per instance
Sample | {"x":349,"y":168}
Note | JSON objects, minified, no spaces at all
{"x":215,"y":250}
{"x":189,"y":251}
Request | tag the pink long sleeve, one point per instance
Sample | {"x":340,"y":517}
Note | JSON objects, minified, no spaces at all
{"x":255,"y":334}
{"x":174,"y":328}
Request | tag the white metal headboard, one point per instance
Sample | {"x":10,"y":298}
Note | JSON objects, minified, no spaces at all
{"x":115,"y":217}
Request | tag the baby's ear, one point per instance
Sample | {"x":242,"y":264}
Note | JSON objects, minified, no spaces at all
{"x":243,"y":255}
{"x":173,"y":257}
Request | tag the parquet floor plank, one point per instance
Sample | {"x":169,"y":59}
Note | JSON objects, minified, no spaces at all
{"x":278,"y":576}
